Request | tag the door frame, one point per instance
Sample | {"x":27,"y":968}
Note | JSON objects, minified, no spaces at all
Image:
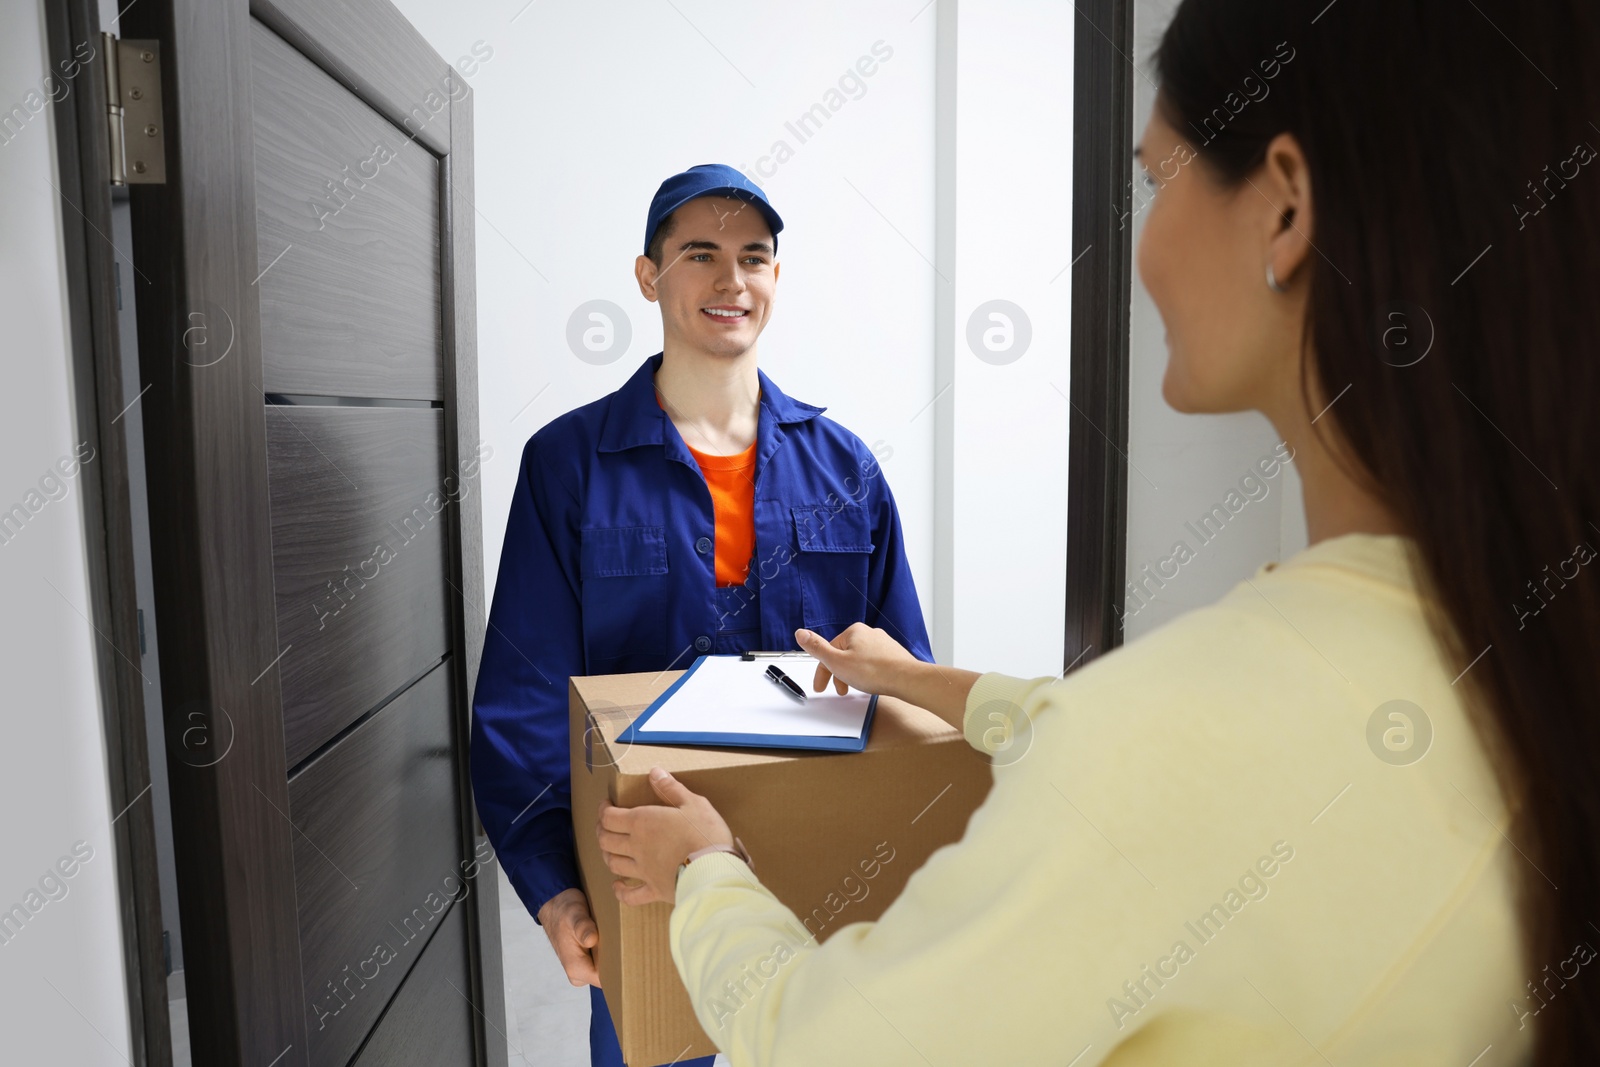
{"x":1102,"y":294}
{"x":99,"y":392}
{"x":203,"y":427}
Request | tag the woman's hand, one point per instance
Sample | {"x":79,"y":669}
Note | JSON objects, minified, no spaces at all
{"x":650,"y":842}
{"x":861,"y":657}
{"x":873,"y":662}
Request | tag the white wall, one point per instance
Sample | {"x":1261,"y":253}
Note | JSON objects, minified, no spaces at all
{"x":1182,"y":465}
{"x":62,"y":998}
{"x":582,"y":109}
{"x":1005,"y":512}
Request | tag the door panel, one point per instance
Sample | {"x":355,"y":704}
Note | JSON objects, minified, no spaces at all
{"x":430,"y":1021}
{"x":377,"y":861}
{"x":358,"y":557}
{"x":347,"y":217}
{"x":373,"y":51}
{"x":335,"y":387}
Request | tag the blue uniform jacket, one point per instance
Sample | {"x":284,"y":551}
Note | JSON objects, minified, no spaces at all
{"x":608,"y":567}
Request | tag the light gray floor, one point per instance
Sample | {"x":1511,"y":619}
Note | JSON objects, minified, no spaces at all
{"x":178,"y":1017}
{"x":547,"y":1020}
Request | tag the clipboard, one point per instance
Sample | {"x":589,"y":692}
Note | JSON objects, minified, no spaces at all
{"x":761,"y":701}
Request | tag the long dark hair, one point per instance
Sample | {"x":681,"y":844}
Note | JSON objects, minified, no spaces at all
{"x":1455,"y":289}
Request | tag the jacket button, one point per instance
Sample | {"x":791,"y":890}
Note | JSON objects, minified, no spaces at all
{"x":702,"y":644}
{"x":703,"y":545}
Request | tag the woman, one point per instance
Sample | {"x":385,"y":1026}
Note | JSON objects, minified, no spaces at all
{"x":1348,"y":814}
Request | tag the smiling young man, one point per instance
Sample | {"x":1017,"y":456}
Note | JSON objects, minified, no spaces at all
{"x":697,"y":510}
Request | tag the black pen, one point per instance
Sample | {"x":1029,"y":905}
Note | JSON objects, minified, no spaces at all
{"x":784,"y":682}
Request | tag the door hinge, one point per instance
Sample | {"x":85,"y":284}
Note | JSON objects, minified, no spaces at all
{"x":135,"y":134}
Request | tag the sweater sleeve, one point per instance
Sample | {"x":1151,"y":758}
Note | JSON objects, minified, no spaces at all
{"x":935,"y":978}
{"x":996,"y":719}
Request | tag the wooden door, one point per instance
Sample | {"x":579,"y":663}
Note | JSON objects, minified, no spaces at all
{"x":304,"y":288}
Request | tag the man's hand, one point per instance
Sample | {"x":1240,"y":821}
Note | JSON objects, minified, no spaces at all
{"x":573,"y":934}
{"x":647,"y":844}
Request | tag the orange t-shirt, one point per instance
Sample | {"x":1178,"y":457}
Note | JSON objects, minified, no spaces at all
{"x":732,"y":481}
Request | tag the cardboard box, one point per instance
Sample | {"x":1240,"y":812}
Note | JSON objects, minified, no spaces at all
{"x":835,"y":836}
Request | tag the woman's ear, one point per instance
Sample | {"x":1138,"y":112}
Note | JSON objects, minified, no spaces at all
{"x":1284,"y":181}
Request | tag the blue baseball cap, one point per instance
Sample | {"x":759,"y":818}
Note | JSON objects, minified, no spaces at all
{"x":708,"y":179}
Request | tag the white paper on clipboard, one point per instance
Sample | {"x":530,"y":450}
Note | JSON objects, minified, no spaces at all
{"x":728,"y":695}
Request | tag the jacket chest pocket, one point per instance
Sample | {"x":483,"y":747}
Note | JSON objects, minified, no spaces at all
{"x":835,"y":546}
{"x":626,"y":594}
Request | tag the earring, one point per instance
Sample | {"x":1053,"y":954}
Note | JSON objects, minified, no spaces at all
{"x":1272,"y":281}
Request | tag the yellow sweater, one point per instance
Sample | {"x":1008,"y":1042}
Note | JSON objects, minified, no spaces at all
{"x":1216,"y":850}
